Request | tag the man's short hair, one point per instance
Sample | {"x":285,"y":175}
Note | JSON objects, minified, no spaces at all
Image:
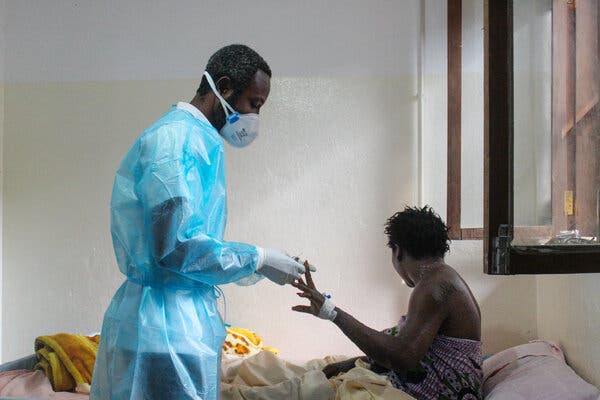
{"x":238,"y":62}
{"x":418,"y":231}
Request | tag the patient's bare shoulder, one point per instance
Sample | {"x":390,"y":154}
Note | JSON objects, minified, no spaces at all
{"x":431,"y":296}
{"x":463,"y":318}
{"x":441,"y":285}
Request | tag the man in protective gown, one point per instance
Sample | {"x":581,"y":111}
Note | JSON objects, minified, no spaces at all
{"x":162,"y":333}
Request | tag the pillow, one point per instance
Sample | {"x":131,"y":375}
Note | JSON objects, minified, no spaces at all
{"x":532,"y":371}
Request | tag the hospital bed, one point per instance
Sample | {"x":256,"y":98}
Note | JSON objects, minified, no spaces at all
{"x":22,"y":363}
{"x":536,"y":370}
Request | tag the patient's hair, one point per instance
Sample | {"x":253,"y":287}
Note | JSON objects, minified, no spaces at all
{"x":236,"y":61}
{"x":419,"y":231}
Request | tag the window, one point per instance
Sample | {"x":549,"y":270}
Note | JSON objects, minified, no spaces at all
{"x":542,"y":136}
{"x":464,"y":103}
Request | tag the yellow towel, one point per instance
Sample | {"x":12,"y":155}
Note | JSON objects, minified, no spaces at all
{"x":68,"y":360}
{"x":244,"y":342}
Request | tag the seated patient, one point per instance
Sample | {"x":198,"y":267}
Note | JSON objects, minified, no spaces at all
{"x":435,"y":350}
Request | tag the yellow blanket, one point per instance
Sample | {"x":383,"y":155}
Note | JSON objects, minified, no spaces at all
{"x":244,"y":342}
{"x":67,"y":360}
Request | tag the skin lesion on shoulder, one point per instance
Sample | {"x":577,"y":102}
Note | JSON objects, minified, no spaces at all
{"x":444,"y":291}
{"x":440,"y":287}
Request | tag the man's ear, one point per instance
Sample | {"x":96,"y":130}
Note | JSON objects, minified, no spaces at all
{"x":225,"y":87}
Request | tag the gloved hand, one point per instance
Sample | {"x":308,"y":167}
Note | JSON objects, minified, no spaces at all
{"x":301,"y":261}
{"x":320,"y":305}
{"x":279,"y":267}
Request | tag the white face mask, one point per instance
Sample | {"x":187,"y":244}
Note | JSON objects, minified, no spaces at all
{"x":240,"y":129}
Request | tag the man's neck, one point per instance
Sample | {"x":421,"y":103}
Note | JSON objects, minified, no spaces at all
{"x":419,"y":269}
{"x":202,"y":103}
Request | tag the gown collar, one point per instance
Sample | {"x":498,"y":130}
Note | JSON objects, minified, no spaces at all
{"x":182,"y":105}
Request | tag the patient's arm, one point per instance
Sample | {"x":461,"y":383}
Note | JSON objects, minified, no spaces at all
{"x":337,"y":368}
{"x":427,"y":310}
{"x":426,"y":313}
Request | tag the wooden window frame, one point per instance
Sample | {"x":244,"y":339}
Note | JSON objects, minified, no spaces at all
{"x":500,"y":256}
{"x":454,"y":104}
{"x":454,"y":154}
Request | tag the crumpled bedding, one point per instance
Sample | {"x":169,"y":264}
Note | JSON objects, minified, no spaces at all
{"x":266,"y":376}
{"x":32,"y":384}
{"x":262,"y":376}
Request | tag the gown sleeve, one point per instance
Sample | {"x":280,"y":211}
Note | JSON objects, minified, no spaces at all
{"x":175,"y":216}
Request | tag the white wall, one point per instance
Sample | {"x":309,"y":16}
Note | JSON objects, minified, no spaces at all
{"x":569,"y":313}
{"x":84,"y":40}
{"x":332,"y":189}
{"x":329,"y":167}
{"x":334,"y":160}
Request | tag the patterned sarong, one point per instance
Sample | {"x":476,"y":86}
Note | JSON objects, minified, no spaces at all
{"x":451,"y":370}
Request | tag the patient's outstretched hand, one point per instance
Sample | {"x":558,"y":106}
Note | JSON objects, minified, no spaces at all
{"x":310,"y":292}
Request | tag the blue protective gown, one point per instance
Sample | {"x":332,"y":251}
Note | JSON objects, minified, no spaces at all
{"x":162,"y":333}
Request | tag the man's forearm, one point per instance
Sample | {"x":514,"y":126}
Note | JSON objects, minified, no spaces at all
{"x":370,"y":341}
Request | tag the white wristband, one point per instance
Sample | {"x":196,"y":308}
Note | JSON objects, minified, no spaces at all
{"x":327,"y":310}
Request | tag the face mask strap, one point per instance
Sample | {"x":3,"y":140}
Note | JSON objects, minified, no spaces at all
{"x":224,"y":103}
